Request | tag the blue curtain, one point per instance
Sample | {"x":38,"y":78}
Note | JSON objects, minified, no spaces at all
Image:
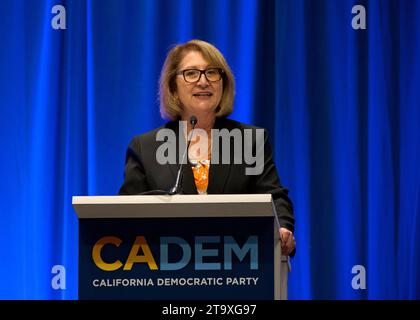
{"x":342,"y":107}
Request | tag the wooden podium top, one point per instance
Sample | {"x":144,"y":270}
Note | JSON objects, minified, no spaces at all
{"x":165,"y":206}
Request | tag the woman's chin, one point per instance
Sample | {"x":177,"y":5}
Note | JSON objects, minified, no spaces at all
{"x":202,"y":108}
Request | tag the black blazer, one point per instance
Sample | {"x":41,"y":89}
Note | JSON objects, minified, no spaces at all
{"x":143,"y":172}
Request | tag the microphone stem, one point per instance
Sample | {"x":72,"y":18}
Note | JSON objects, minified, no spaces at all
{"x":175,"y":188}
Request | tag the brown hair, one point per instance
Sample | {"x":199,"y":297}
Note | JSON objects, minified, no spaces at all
{"x":170,"y":106}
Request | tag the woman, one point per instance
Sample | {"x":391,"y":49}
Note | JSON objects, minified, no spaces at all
{"x":196,"y":82}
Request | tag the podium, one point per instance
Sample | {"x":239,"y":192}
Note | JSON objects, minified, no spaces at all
{"x":181,"y":247}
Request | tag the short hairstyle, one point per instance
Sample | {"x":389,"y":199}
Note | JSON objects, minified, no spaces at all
{"x":170,"y":105}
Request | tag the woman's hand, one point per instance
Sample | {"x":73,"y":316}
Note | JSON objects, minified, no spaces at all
{"x":288,"y":242}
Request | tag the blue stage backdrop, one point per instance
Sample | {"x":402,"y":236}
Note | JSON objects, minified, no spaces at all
{"x":342,"y":106}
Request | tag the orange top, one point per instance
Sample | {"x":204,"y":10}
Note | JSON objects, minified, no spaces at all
{"x":201,"y":175}
{"x":200,"y":162}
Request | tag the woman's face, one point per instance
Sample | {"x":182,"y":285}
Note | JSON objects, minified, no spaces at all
{"x":198,"y":97}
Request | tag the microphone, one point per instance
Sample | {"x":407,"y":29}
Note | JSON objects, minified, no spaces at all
{"x":175,"y":188}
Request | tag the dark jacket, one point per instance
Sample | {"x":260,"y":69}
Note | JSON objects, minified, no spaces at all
{"x":143,"y":173}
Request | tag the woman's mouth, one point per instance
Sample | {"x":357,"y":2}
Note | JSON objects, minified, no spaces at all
{"x":203,"y":94}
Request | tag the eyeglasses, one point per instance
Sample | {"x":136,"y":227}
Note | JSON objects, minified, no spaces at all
{"x":194,"y":75}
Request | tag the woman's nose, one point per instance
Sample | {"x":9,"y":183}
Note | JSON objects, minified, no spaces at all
{"x":202,"y":81}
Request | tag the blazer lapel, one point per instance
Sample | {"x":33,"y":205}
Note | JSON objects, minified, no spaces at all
{"x":187,"y":179}
{"x":219,"y":173}
{"x":188,"y":183}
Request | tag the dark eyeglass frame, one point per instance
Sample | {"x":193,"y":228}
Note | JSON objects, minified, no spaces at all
{"x":182,"y":72}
